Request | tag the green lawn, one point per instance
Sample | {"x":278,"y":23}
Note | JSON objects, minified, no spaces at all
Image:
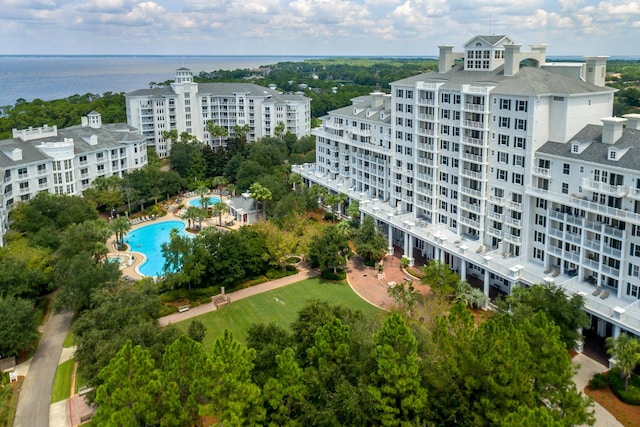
{"x":264,"y":308}
{"x":62,"y":381}
{"x":69,"y":340}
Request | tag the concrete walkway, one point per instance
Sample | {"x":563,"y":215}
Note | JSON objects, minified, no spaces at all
{"x":587,"y":369}
{"x":35,"y":396}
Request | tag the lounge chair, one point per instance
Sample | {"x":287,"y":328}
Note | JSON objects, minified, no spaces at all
{"x":556,"y":273}
{"x":597,"y":291}
{"x":605,"y":294}
{"x":548,"y":270}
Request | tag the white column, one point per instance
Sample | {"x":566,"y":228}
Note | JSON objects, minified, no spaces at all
{"x":410,"y":253}
{"x":486,"y":282}
{"x":405,"y":246}
{"x":390,"y":239}
{"x":441,"y":254}
{"x":616,"y":331}
{"x":463,"y":269}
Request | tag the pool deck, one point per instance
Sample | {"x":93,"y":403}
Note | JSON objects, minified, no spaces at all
{"x":128,"y":267}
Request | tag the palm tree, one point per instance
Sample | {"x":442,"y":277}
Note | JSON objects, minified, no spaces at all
{"x":626,"y":351}
{"x":191,"y":214}
{"x":331,"y":200}
{"x":219,"y":208}
{"x":279,"y":129}
{"x":215,"y":130}
{"x":120,"y":226}
{"x":219,"y":182}
{"x":204,"y":201}
{"x":241,"y":131}
{"x":170,"y":136}
{"x":296,"y":181}
{"x":258,"y":192}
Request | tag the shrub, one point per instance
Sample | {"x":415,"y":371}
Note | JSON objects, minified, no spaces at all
{"x":328,"y":216}
{"x":166,"y":310}
{"x":630,"y":396}
{"x":598,"y":382}
{"x":328,"y":274}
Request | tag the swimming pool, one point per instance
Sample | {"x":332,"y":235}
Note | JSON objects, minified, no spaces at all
{"x":148,"y":240}
{"x":196,"y":202}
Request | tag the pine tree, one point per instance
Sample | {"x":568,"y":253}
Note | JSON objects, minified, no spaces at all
{"x":285,"y":394}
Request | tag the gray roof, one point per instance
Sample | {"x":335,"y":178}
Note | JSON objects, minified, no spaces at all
{"x":527,"y":81}
{"x":219,"y":89}
{"x":597,"y":152}
{"x":109,"y":136}
{"x":492,"y":40}
{"x":247,"y":204}
{"x":362,"y":105}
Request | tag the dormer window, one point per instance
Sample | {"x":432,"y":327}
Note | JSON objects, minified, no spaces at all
{"x":575,"y":148}
{"x":612,"y":155}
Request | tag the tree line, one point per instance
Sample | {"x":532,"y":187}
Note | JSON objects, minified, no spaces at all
{"x":336,"y":366}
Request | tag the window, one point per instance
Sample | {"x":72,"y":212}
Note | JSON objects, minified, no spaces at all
{"x":505,"y":122}
{"x":399,"y":93}
{"x":505,"y":104}
{"x":503,"y":157}
{"x":456,"y":100}
{"x":444,"y":160}
{"x":519,"y":142}
{"x":501,"y":175}
{"x":633,"y":290}
{"x":635,"y":250}
{"x":409,"y":94}
{"x":612,"y":155}
{"x":409,"y":107}
{"x":518,"y":160}
{"x":566,"y":168}
{"x":445,"y":97}
{"x":517,"y":178}
{"x":634,"y":270}
{"x":565,"y":188}
{"x":22,"y":173}
{"x":541,"y":220}
{"x":538,"y":254}
{"x":503,"y":140}
{"x":445,"y":114}
{"x":539,"y":237}
{"x":521,"y":106}
{"x":521,"y":124}
{"x":541,"y":203}
{"x":399,"y":107}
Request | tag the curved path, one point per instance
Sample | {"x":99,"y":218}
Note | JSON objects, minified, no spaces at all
{"x":35,"y":395}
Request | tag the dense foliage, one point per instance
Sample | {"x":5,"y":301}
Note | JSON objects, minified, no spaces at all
{"x":61,"y":112}
{"x":339,"y":367}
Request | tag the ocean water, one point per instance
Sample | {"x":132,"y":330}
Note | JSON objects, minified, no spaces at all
{"x":55,"y":77}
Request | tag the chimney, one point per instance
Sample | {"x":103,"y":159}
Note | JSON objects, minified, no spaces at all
{"x":596,"y":69}
{"x":377,"y":99}
{"x":511,"y":59}
{"x":85,"y":121}
{"x":446,"y":58}
{"x":612,"y":128}
{"x":633,"y":121}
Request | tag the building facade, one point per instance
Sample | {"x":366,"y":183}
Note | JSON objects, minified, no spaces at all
{"x":186,"y":106}
{"x":65,"y":161}
{"x":505,"y":166}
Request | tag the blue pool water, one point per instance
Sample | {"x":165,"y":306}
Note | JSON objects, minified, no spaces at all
{"x":196,"y":202}
{"x":148,"y":240}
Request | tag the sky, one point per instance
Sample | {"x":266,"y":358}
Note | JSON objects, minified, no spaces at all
{"x":312,"y":27}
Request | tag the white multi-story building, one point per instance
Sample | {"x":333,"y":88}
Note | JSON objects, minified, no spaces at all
{"x":65,"y":161}
{"x":503,"y":165}
{"x":186,"y":106}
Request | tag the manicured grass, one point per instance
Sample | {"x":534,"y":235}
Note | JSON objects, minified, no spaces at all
{"x":80,"y":380}
{"x":264,"y":308}
{"x":62,"y":382}
{"x":69,"y":340}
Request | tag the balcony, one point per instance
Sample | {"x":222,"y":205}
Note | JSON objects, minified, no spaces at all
{"x":515,"y":206}
{"x":425,"y":161}
{"x":473,"y":174}
{"x":544,"y":172}
{"x":473,"y":124}
{"x":475,"y":107}
{"x":473,"y":141}
{"x":494,"y":232}
{"x":426,"y":147}
{"x":513,"y":222}
{"x":516,"y":240}
{"x":470,"y":207}
{"x":425,"y":132}
{"x":604,"y":188}
{"x":473,"y":158}
{"x":426,"y":117}
{"x":498,"y":201}
{"x":470,"y":222}
{"x":426,"y":101}
{"x":496,"y":216}
{"x":634,"y":193}
{"x":467,"y":191}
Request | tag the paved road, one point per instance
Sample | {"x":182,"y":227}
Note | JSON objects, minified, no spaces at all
{"x":35,"y":396}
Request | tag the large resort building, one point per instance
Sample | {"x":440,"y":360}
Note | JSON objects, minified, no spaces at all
{"x":65,"y":161}
{"x":505,"y":166}
{"x":187,"y":106}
